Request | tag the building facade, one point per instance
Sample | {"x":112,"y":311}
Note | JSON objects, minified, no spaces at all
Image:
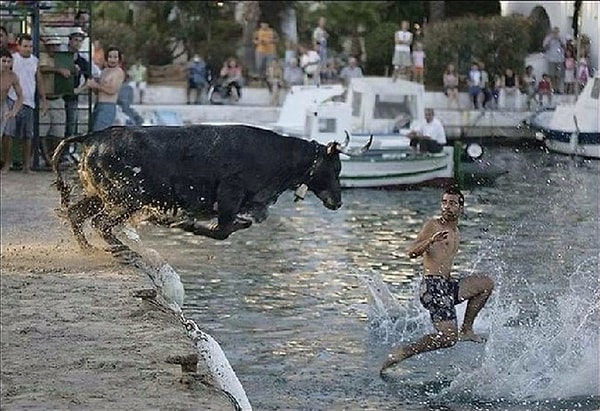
{"x":560,"y":14}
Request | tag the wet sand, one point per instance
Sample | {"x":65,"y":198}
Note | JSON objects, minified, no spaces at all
{"x":72,"y":334}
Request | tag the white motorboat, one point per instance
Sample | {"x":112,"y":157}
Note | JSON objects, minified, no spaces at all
{"x":573,"y":128}
{"x":386,"y":110}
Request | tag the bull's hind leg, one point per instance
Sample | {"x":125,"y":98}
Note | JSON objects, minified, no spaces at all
{"x":104,"y":222}
{"x":78,"y":213}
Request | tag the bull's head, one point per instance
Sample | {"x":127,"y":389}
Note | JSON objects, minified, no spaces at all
{"x":325,"y":176}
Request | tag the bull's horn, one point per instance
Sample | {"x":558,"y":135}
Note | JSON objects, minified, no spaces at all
{"x":367,"y":145}
{"x":358,"y":151}
{"x":346,"y":141}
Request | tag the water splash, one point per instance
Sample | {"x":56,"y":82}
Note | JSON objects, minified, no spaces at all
{"x":553,"y":356}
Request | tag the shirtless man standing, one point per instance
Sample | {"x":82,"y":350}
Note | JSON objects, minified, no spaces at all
{"x":8,"y":107}
{"x":438,"y":243}
{"x":107,"y":88}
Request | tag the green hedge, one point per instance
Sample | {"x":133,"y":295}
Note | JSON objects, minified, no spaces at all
{"x":379,"y":42}
{"x":500,"y":42}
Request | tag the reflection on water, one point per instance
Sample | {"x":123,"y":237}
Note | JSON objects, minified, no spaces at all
{"x":307,"y":303}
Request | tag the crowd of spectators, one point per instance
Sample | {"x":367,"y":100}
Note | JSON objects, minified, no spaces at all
{"x":55,"y":78}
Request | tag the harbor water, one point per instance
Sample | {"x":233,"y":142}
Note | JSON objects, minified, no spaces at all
{"x":307,"y":304}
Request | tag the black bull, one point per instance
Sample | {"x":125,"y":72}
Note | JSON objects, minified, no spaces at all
{"x":198,"y":172}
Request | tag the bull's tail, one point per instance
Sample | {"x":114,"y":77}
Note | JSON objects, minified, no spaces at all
{"x":61,"y":185}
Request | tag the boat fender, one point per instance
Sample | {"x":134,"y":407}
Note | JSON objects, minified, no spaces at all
{"x":474,"y":151}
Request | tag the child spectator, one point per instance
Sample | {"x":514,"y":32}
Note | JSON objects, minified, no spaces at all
{"x":450,"y":80}
{"x":529,"y":86}
{"x":583,"y":73}
{"x":545,"y":89}
{"x":474,"y":82}
{"x":418,"y":62}
{"x":569,"y":78}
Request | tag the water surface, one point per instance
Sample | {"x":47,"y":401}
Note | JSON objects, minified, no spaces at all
{"x":307,"y":304}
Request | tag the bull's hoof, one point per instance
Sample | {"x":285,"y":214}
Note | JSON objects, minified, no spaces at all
{"x":211,"y":232}
{"x":241,"y":223}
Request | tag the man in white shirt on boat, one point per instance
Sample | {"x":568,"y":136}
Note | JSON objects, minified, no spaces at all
{"x":428,"y":137}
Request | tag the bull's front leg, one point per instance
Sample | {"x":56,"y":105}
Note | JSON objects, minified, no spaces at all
{"x":229,"y":200}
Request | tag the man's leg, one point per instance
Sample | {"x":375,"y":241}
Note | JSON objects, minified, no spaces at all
{"x":189,"y":94}
{"x":475,"y":289}
{"x":446,"y":336}
{"x":6,"y":153}
{"x":27,"y":155}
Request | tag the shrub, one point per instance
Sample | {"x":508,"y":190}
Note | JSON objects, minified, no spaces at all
{"x":379,"y":43}
{"x":500,"y":42}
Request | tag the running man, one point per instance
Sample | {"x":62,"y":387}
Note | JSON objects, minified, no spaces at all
{"x":439,"y":293}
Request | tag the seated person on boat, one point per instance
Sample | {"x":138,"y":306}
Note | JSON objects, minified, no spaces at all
{"x":428,"y":137}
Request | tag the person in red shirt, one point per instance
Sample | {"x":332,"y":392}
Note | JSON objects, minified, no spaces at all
{"x":545,"y":89}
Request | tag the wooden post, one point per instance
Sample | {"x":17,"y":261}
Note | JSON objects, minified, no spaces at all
{"x":457,"y":172}
{"x":576,"y":63}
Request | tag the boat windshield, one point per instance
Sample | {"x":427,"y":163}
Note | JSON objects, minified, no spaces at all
{"x":390,"y":107}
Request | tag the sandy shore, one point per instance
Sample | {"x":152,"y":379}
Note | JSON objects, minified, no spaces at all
{"x":72,"y":334}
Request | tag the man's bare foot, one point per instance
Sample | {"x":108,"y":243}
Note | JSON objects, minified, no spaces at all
{"x":392,"y":359}
{"x":470,"y":336}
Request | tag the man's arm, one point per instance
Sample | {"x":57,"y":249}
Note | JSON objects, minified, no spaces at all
{"x":19,"y":92}
{"x":41,"y":88}
{"x":425,"y":239}
{"x":84,"y":67}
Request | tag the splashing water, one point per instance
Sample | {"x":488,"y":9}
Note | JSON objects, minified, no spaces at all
{"x":555,"y":356}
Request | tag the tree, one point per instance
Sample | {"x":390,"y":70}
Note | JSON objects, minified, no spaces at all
{"x":500,"y":42}
{"x":459,"y":8}
{"x":437,"y":11}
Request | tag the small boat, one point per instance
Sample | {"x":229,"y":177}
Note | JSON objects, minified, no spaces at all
{"x":386,"y":110}
{"x":573,"y":128}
